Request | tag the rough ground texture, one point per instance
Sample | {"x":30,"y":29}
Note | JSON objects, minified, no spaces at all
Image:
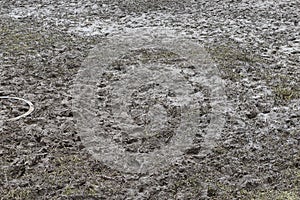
{"x":256,"y":46}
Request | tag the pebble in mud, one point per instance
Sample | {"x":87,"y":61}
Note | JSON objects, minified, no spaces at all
{"x":149,"y":101}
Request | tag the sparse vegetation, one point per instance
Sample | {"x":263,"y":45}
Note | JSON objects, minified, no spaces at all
{"x":231,"y":59}
{"x":42,"y":156}
{"x":286,"y":93}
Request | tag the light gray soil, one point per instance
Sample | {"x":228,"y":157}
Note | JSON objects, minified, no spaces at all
{"x":235,"y":123}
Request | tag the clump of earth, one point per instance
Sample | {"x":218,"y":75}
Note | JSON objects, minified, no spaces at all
{"x":242,"y":141}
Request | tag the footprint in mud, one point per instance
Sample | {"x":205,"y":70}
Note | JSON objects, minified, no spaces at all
{"x":138,"y":100}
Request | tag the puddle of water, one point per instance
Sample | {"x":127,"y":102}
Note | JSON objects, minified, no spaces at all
{"x":138,"y":99}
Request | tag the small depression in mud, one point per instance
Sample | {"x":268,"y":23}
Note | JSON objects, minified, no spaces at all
{"x":141,"y":102}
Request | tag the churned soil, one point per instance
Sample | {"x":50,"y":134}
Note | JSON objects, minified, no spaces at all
{"x":254,"y":44}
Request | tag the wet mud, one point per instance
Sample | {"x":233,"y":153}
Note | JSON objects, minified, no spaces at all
{"x":147,"y":100}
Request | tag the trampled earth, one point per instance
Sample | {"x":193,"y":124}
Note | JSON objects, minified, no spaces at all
{"x":150,"y":99}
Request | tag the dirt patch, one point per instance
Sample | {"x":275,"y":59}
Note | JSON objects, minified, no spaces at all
{"x":148,"y":94}
{"x":255,"y":47}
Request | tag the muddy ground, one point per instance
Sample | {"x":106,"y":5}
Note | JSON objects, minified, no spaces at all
{"x":255,"y":46}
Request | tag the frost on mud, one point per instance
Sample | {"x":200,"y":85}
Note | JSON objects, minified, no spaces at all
{"x":140,"y":97}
